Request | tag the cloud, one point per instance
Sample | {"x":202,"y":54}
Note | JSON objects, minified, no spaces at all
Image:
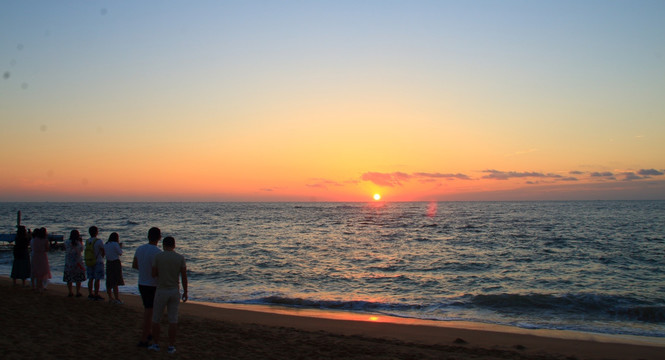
{"x":398,"y":178}
{"x":650,"y":172}
{"x":523,"y":152}
{"x":428,"y":180}
{"x":383,"y":179}
{"x":629,"y":176}
{"x":642,"y":174}
{"x":323,"y":183}
{"x":441,"y":176}
{"x":395,"y":179}
{"x":505,"y":175}
{"x":317,"y":185}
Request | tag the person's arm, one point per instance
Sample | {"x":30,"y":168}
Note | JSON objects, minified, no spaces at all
{"x":135,"y":263}
{"x":183,"y":275}
{"x":155,"y":272}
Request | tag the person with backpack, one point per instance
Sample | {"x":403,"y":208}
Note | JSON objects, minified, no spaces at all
{"x":94,"y":262}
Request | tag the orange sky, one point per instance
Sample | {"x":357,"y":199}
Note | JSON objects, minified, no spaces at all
{"x":332,"y":101}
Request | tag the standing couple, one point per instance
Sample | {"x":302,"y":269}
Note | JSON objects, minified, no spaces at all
{"x":159,"y":274}
{"x":95,"y":251}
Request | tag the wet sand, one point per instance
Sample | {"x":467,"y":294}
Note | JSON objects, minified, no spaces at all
{"x":52,"y":326}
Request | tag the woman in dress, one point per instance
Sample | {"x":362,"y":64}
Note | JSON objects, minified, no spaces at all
{"x":74,"y":270}
{"x":41,"y":271}
{"x":21,"y":265}
{"x":113,"y":250}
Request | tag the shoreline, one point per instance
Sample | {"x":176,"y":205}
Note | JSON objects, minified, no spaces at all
{"x":350,"y":315}
{"x":266,"y":328}
{"x":345,"y":315}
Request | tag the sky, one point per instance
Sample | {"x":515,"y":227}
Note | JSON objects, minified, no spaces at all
{"x":332,"y":100}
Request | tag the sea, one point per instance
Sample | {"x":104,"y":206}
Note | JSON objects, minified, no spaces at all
{"x":591,"y":266}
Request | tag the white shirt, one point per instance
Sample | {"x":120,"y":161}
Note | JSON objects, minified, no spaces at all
{"x":145,"y":254}
{"x":112,"y":250}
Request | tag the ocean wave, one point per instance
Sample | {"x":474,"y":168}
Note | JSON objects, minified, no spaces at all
{"x":352,"y":305}
{"x":601,"y":307}
{"x":651,"y":314}
{"x":598,"y":306}
{"x":455,"y":267}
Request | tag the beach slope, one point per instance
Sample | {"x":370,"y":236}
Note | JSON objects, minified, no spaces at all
{"x":51,"y":325}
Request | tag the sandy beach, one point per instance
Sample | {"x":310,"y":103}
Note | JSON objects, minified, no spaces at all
{"x":51,"y":325}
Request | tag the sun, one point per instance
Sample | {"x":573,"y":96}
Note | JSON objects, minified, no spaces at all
{"x":377,"y":197}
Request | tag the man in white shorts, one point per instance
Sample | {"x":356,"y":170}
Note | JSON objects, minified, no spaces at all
{"x":168,"y":266}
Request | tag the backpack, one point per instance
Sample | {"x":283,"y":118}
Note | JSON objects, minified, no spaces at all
{"x":89,"y":253}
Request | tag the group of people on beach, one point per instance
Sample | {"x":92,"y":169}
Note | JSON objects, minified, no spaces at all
{"x":95,"y":253}
{"x":160,"y":273}
{"x":31,"y":257}
{"x":31,"y":261}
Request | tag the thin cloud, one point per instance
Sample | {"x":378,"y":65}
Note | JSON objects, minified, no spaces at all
{"x":642,"y":174}
{"x":398,"y":178}
{"x":650,"y":172}
{"x":442,"y":176}
{"x":428,"y":180}
{"x":317,"y":185}
{"x":629,"y":176}
{"x":388,"y":180}
{"x":523,"y":152}
{"x":323,"y":183}
{"x":395,"y":179}
{"x":505,"y":175}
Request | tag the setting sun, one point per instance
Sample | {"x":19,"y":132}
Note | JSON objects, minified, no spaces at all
{"x":377,"y":197}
